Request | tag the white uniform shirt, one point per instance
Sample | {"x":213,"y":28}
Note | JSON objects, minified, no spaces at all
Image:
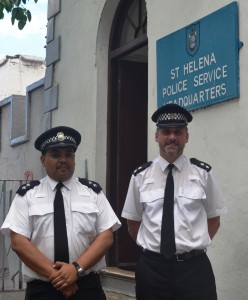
{"x":87,"y":215}
{"x":196,"y":198}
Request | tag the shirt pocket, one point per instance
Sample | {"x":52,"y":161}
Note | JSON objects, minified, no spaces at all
{"x":151,"y":195}
{"x":153,"y":202}
{"x":41,"y":216}
{"x":191,"y":197}
{"x":192,"y":192}
{"x":84,"y":215}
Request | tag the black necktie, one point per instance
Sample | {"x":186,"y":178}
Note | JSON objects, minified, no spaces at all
{"x":61,"y":251}
{"x":168,"y":246}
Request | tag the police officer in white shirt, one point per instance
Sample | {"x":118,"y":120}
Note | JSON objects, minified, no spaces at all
{"x":89,"y":222}
{"x":196,"y":208}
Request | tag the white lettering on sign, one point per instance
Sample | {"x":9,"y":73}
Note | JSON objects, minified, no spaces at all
{"x":213,"y":75}
{"x":207,"y":81}
{"x":174,"y":73}
{"x":201,"y":63}
{"x":202,"y":96}
{"x":173,"y":89}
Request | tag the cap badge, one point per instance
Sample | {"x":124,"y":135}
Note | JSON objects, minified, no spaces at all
{"x":172,"y":116}
{"x":60,"y":136}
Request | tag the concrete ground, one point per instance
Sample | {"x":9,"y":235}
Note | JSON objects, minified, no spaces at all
{"x":19,"y":295}
{"x":13,"y":295}
{"x":115,"y":296}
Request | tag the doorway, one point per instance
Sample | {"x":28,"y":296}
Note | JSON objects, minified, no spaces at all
{"x":127,"y":116}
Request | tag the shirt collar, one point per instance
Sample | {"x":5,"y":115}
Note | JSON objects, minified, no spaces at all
{"x":53,"y":183}
{"x":177,"y":163}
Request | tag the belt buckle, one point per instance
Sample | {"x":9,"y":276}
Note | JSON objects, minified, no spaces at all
{"x":178,"y":258}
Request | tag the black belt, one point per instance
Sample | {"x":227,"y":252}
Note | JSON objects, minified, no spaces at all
{"x":180,"y":257}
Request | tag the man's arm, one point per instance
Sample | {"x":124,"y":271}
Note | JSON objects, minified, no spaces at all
{"x":133,"y":228}
{"x":67,"y":272}
{"x":213,"y":226}
{"x":97,"y":249}
{"x":30,"y":255}
{"x":36,"y":261}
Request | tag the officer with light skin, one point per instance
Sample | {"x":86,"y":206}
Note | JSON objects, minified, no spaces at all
{"x":90,"y":222}
{"x":185,"y":272}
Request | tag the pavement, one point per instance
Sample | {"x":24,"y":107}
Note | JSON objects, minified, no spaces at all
{"x":19,"y":295}
{"x":12,"y":295}
{"x":116,"y":296}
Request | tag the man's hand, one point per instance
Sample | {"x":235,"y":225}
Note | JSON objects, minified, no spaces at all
{"x":65,"y":276}
{"x":70,"y":290}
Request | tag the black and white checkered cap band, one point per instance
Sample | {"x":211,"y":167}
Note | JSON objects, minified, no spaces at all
{"x":177,"y":117}
{"x":56,"y":139}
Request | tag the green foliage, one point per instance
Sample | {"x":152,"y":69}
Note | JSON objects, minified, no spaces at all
{"x":18,"y":12}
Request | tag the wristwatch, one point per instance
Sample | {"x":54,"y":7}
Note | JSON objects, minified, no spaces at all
{"x":80,"y":271}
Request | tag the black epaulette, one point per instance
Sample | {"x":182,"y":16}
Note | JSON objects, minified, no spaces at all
{"x":26,"y":187}
{"x":91,"y":184}
{"x":200,"y":164}
{"x":142,"y":167}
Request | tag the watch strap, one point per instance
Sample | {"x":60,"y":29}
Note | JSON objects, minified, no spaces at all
{"x":80,"y":270}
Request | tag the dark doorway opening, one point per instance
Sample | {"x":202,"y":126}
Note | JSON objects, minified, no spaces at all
{"x":127,"y":117}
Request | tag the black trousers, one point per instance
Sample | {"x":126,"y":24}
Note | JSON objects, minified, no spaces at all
{"x":160,"y":279}
{"x":89,"y":288}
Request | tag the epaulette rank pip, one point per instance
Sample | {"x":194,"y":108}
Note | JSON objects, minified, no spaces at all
{"x":91,"y":184}
{"x":142,"y":167}
{"x":26,"y":187}
{"x":200,"y":164}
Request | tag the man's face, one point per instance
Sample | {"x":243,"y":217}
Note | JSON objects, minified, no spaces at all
{"x":171,"y":142}
{"x":59,"y":163}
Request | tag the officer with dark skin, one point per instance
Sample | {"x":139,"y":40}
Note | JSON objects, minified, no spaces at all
{"x":90,"y":222}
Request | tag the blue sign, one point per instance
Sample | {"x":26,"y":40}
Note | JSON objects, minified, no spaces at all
{"x":198,"y":65}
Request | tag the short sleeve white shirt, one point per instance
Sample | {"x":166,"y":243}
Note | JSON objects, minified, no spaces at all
{"x":196,"y":198}
{"x":87,"y":215}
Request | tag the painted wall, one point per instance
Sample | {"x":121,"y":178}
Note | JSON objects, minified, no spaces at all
{"x":19,"y":71}
{"x":22,"y":161}
{"x":21,"y":87}
{"x":218,"y":133}
{"x":76,"y":75}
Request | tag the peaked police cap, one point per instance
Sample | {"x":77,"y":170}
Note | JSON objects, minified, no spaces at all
{"x":61,"y":136}
{"x":171,"y":115}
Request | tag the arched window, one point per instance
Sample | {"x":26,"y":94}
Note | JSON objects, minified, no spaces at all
{"x":129,"y":28}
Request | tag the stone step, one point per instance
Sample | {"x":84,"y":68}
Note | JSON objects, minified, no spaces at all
{"x":118,"y":281}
